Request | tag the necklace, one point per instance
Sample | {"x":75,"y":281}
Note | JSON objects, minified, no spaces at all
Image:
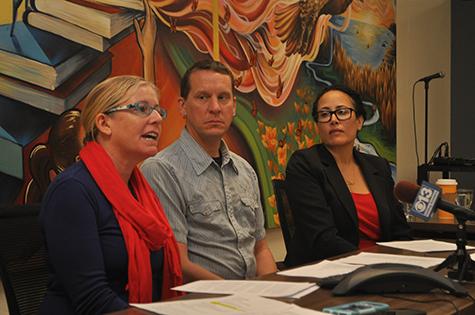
{"x":350,"y":180}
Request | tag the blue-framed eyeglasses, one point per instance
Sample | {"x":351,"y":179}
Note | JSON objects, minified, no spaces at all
{"x":140,"y":108}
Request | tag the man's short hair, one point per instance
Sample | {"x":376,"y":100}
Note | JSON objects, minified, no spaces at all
{"x":210,"y":65}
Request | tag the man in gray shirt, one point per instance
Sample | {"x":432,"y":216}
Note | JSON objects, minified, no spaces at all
{"x":210,"y":194}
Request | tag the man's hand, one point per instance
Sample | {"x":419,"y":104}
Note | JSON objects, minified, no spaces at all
{"x":265,"y":262}
{"x":192,"y":271}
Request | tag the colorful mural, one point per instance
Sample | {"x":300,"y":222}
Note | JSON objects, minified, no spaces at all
{"x":282,"y":53}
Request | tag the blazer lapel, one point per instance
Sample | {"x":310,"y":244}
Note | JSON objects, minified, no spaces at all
{"x":338,"y":183}
{"x":376,"y":184}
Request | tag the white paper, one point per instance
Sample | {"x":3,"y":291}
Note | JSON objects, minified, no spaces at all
{"x":305,"y":292}
{"x":323,"y":269}
{"x":255,"y":287}
{"x":423,"y":246}
{"x":375,"y":258}
{"x":234,"y":304}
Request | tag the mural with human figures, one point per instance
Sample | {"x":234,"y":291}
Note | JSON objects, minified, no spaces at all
{"x":281,"y":52}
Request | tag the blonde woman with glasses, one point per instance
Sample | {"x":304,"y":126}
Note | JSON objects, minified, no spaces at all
{"x":342,"y":200}
{"x":108,"y":240}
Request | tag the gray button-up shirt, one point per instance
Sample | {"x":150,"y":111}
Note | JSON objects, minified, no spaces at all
{"x":215,"y":210}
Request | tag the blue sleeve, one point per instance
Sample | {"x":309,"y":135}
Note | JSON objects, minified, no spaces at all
{"x":74,"y":248}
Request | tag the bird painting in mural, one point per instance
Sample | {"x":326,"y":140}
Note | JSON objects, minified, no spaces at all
{"x":296,"y":24}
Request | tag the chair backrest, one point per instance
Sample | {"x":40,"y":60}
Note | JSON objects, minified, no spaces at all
{"x":23,"y":259}
{"x":285,"y":213}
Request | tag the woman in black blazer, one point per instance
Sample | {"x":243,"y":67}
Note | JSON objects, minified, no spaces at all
{"x":341,"y":199}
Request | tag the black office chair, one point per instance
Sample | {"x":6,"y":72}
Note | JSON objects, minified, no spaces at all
{"x":285,"y":213}
{"x":23,"y":259}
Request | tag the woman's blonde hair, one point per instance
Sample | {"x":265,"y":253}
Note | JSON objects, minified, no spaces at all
{"x":106,"y":95}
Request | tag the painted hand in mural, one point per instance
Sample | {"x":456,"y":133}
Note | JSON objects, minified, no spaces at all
{"x":146,"y":31}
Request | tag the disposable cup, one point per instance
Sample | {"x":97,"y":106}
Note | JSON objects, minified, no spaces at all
{"x":449,"y":192}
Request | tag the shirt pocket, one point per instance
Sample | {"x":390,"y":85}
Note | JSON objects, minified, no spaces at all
{"x":205,"y":208}
{"x":248,"y":214}
{"x":206,"y":214}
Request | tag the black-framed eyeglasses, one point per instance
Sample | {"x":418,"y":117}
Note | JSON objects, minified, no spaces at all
{"x":342,"y":113}
{"x":140,"y":108}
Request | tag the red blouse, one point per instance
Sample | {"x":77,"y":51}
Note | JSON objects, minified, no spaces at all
{"x":368,"y":218}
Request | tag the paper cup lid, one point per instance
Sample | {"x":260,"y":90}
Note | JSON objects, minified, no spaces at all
{"x":446,"y":181}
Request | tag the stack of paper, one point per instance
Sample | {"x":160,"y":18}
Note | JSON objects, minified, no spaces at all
{"x":234,"y":304}
{"x":423,"y":246}
{"x":346,"y":265}
{"x":254,"y":287}
{"x":374,"y":258}
{"x":326,"y":268}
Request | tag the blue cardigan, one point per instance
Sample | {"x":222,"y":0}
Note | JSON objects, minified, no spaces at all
{"x":88,"y":259}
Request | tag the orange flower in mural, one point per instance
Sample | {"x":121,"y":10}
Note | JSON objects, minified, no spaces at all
{"x":276,"y":219}
{"x":260,"y":125}
{"x":274,"y":168}
{"x":269,"y":138}
{"x":284,"y":131}
{"x":290,"y":127}
{"x":271,"y":201}
{"x":306,"y":109}
{"x":309,"y":141}
{"x":297,"y":107}
{"x":273,"y":204}
{"x":282,"y":154}
{"x":300,"y":92}
{"x":309,"y":125}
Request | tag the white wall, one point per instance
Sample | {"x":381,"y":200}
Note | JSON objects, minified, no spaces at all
{"x":423,"y":48}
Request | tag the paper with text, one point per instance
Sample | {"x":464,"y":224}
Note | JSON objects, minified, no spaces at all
{"x":423,"y":246}
{"x":375,"y":258}
{"x":255,"y":287}
{"x":234,"y":304}
{"x":323,"y":269}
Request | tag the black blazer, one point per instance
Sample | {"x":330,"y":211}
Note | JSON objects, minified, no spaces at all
{"x":326,"y":222}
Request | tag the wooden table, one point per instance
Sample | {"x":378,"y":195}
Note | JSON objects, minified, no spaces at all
{"x":436,"y":303}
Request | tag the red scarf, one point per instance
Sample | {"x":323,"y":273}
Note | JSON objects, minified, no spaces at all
{"x":144,"y":225}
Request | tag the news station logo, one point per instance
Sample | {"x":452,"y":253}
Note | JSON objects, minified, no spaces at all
{"x":425,"y":201}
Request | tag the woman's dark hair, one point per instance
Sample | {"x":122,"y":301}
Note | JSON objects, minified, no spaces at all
{"x":211,"y":65}
{"x":356,"y":98}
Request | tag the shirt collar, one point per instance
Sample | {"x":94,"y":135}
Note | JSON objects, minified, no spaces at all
{"x":199,"y":158}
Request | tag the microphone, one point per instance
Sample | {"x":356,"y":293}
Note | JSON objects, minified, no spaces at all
{"x":437,"y":75}
{"x":426,"y":199}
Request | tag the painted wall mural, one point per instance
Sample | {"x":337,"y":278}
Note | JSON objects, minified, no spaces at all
{"x":281,"y":52}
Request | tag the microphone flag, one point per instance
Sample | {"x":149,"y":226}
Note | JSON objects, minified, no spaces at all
{"x":424,"y":205}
